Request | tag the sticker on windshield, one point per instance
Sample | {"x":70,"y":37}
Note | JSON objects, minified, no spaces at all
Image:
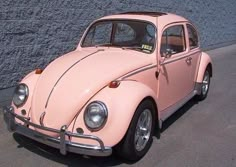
{"x":146,"y":47}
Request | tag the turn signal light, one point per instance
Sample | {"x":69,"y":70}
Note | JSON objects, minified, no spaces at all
{"x":114,"y":84}
{"x":38,"y":71}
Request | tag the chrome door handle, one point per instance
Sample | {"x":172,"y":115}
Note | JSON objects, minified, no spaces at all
{"x":188,"y":60}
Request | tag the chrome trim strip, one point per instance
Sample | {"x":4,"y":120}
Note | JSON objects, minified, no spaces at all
{"x":178,"y":58}
{"x":60,"y":143}
{"x":172,"y":109}
{"x":67,"y":71}
{"x":136,"y":71}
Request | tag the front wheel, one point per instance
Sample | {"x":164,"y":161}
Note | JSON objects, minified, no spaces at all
{"x":138,"y":138}
{"x":205,"y":85}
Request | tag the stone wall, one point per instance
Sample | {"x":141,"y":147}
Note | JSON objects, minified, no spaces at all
{"x":34,"y":32}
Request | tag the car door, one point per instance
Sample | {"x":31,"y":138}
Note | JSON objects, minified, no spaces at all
{"x":194,"y":50}
{"x":174,"y":67}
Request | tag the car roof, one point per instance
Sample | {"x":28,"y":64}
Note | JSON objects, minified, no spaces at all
{"x":161,"y":17}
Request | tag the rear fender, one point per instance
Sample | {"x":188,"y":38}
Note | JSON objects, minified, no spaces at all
{"x":121,"y":103}
{"x":204,"y":62}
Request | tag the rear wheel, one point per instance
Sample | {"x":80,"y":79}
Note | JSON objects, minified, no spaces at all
{"x":205,"y":85}
{"x":138,"y":138}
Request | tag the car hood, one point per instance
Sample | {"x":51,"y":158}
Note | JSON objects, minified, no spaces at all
{"x":70,"y":81}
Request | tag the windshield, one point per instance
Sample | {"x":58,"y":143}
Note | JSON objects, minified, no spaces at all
{"x":127,"y":34}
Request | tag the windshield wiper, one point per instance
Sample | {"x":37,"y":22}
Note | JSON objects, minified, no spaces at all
{"x":138,"y":48}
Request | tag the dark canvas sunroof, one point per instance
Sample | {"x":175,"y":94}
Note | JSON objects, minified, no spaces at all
{"x":154,"y":14}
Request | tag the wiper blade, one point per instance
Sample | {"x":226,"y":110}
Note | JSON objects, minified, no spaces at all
{"x":132,"y":47}
{"x":137,"y":48}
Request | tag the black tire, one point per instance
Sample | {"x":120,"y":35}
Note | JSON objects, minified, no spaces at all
{"x":204,"y":94}
{"x":127,"y":147}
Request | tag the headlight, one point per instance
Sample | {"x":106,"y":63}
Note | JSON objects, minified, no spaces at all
{"x":95,"y":115}
{"x":20,"y":95}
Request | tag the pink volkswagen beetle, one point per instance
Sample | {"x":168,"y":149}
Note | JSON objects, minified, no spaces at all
{"x":130,"y":72}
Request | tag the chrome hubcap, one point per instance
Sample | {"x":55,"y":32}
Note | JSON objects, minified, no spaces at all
{"x":205,"y":83}
{"x":143,"y":130}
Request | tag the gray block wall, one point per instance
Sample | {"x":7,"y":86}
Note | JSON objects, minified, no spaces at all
{"x":34,"y":32}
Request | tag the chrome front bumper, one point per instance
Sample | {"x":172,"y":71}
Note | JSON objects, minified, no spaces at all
{"x":61,"y":142}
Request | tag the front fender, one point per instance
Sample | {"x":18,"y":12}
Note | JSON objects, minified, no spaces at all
{"x":204,"y":62}
{"x":121,"y":103}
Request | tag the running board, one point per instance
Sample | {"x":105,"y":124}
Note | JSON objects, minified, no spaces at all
{"x":172,"y":109}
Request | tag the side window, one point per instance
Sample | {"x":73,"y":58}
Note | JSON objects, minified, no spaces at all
{"x":193,"y":38}
{"x":100,"y":34}
{"x":124,"y":33}
{"x":173,"y":40}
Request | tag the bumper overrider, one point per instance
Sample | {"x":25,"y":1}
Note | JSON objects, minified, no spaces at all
{"x":61,"y":142}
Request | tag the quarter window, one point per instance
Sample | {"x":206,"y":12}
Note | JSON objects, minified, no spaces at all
{"x":193,"y":38}
{"x":173,"y":40}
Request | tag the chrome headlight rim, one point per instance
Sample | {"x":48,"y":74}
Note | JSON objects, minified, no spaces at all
{"x":26,"y":95}
{"x":104,"y":108}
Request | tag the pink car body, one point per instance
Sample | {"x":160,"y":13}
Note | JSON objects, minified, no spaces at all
{"x":121,"y":78}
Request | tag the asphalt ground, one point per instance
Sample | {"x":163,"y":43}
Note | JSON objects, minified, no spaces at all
{"x":200,"y":134}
